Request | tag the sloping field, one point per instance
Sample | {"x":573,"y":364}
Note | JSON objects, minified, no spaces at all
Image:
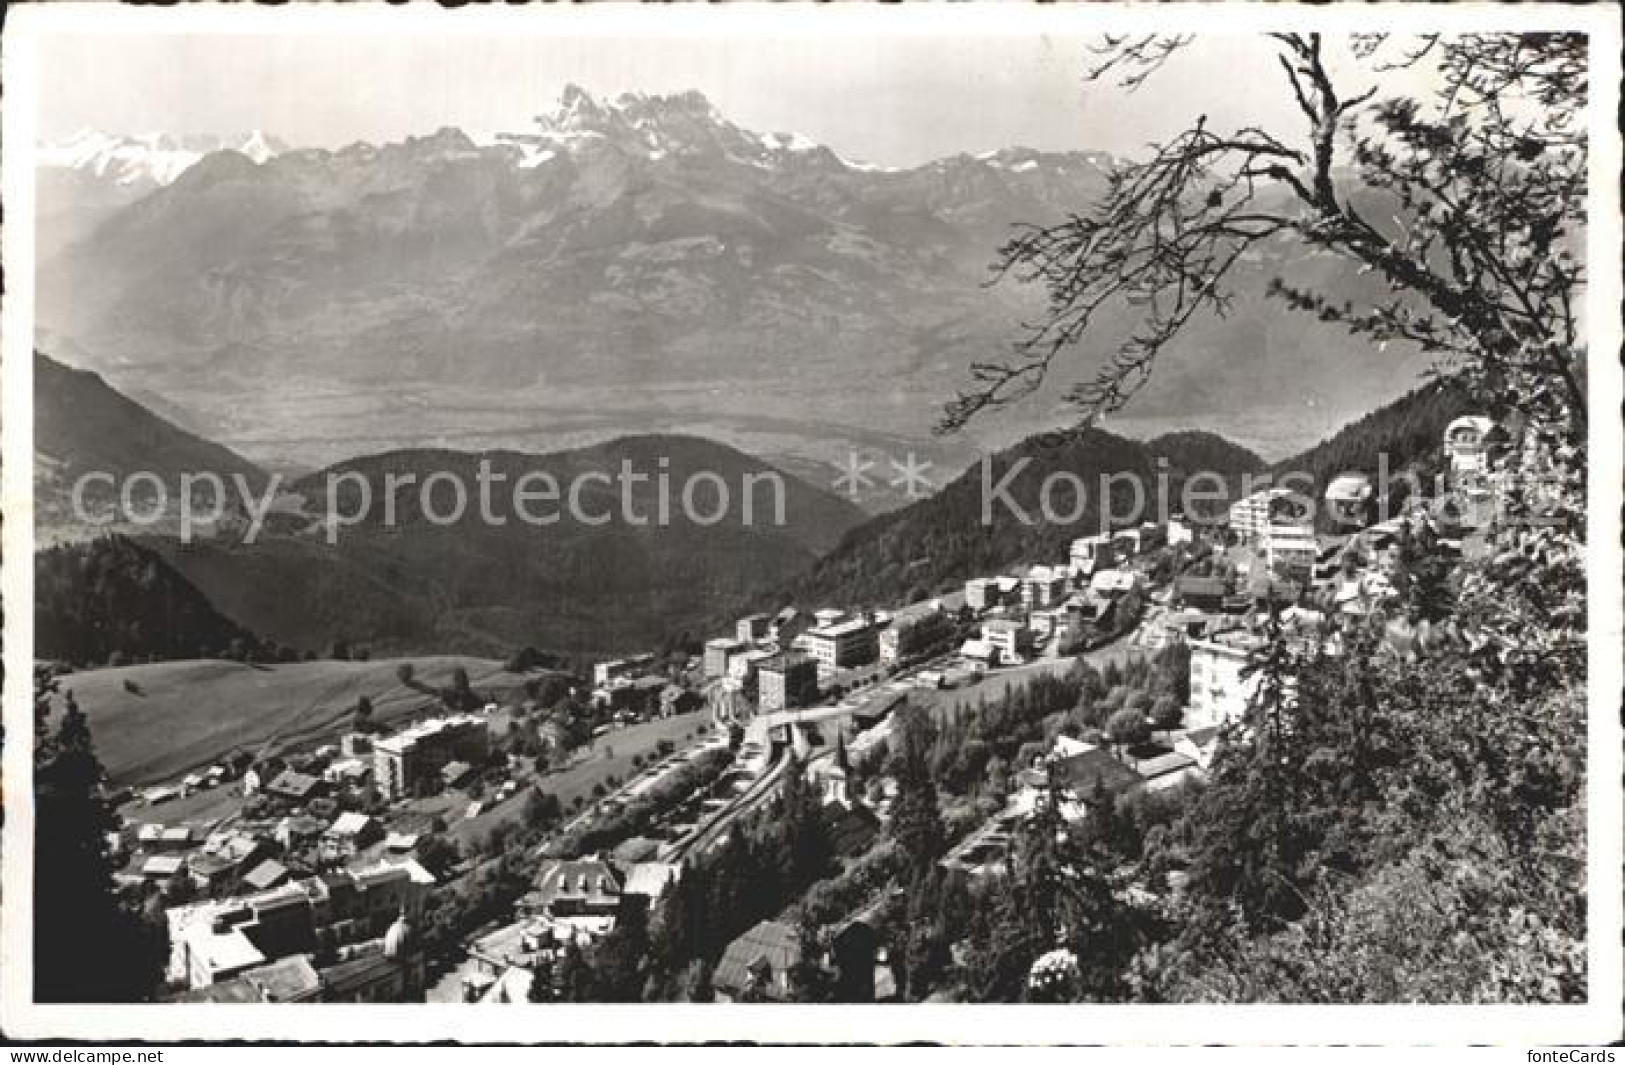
{"x":182,"y":715}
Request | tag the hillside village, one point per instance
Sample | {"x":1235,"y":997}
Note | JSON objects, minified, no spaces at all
{"x":316,"y":873}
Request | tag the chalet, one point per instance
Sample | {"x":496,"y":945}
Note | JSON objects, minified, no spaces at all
{"x":224,"y":856}
{"x":294,"y":786}
{"x":756,"y":966}
{"x":352,"y":833}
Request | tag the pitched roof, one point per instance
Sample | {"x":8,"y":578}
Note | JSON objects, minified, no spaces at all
{"x":292,"y":782}
{"x":772,"y":943}
{"x":351,"y":823}
{"x":162,"y":865}
{"x":1163,"y":764}
{"x":1202,"y":736}
{"x":1084,"y":772}
{"x":586,"y":877}
{"x":290,"y":979}
{"x":651,"y":879}
{"x":267,"y":874}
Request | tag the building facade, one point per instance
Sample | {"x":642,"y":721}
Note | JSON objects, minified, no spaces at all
{"x":787,"y":680}
{"x":402,"y":761}
{"x":1219,"y":691}
{"x":719,"y":654}
{"x":1043,"y":586}
{"x":1290,"y":550}
{"x":1250,"y":517}
{"x":844,"y":645}
{"x":908,"y":636}
{"x":1013,"y":640}
{"x":1090,"y":553}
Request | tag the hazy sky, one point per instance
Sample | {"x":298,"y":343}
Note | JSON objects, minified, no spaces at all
{"x":890,"y":100}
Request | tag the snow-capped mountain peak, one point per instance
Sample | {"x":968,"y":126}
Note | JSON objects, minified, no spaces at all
{"x":684,"y":124}
{"x":149,"y":158}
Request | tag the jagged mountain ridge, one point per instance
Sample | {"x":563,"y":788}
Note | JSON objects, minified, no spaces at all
{"x":83,"y":179}
{"x":644,"y":244}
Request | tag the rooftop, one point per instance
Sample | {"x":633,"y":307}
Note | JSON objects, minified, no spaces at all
{"x":267,"y":874}
{"x":1085,"y":772}
{"x":586,"y":877}
{"x":227,"y":951}
{"x":425,"y":729}
{"x":771,"y":946}
{"x":651,"y":879}
{"x":840,"y":628}
{"x":785,"y":660}
{"x":350,"y":824}
{"x":290,"y":979}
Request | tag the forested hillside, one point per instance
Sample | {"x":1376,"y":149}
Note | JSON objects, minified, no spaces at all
{"x":1403,"y":436}
{"x":932,"y":545}
{"x":112,"y":601}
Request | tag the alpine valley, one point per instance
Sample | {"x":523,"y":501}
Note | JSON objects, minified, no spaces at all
{"x":605,"y":273}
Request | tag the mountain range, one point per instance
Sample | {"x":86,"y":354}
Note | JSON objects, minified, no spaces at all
{"x":414,"y":585}
{"x":409,"y":583}
{"x":82,"y":425}
{"x":632,"y":263}
{"x":84,"y":178}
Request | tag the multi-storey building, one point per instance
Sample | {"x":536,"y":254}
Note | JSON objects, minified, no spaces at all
{"x":1011,"y":639}
{"x":401,"y":761}
{"x":1466,"y":444}
{"x":753,"y":627}
{"x":719,"y":654}
{"x":911,"y":635}
{"x":604,"y":672}
{"x":1043,"y":587}
{"x":1249,"y":517}
{"x":1289,"y":550}
{"x":1349,"y":500}
{"x":1090,"y":553}
{"x":216,"y":940}
{"x":846,"y":644}
{"x":787,"y":680}
{"x":1219,"y":691}
{"x":981,"y":593}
